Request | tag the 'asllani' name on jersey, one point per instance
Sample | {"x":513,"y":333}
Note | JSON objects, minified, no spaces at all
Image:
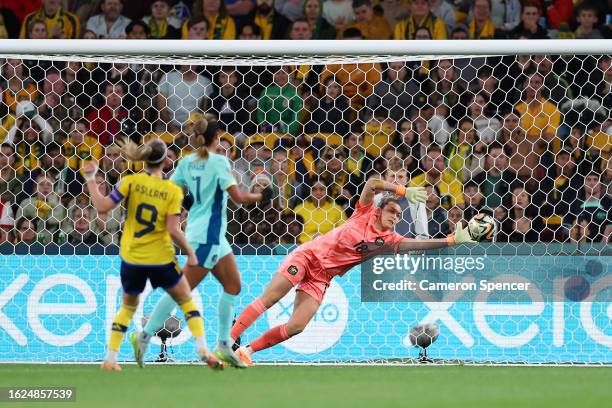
{"x":151,"y":192}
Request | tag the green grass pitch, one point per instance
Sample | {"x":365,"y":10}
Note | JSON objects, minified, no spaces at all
{"x":319,"y":386}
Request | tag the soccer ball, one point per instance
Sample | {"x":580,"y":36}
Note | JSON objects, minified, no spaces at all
{"x":424,"y":334}
{"x":482,"y":227}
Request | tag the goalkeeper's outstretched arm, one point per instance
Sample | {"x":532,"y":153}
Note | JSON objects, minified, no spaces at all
{"x":374,"y":186}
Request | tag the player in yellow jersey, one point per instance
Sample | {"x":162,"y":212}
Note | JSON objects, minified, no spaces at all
{"x":153,"y":206}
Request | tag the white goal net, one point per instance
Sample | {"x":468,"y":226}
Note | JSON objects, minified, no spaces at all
{"x":522,"y":132}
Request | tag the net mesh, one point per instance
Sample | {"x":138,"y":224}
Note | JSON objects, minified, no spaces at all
{"x":526,"y":139}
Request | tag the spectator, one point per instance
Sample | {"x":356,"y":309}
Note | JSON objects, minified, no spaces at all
{"x":221,"y":26}
{"x":506,"y":14}
{"x":228,"y":103}
{"x":358,"y":163}
{"x":60,"y":23}
{"x":313,"y":13}
{"x":357,"y":80}
{"x":53,"y":101}
{"x":254,"y":160}
{"x":437,"y":216}
{"x":241,"y":10}
{"x":250,"y":31}
{"x":488,"y":84}
{"x":482,"y":27}
{"x":332,"y":173}
{"x":558,"y":189}
{"x":420,"y":16}
{"x":27,"y":118}
{"x":557,"y":12}
{"x":330,"y":114}
{"x":523,"y":159}
{"x":289,"y":229}
{"x":37,"y":30}
{"x":291,"y":9}
{"x":481,"y":115}
{"x":371,"y":26}
{"x":300,"y":30}
{"x":279,"y":106}
{"x":26,"y":231}
{"x":529,"y":27}
{"x":539,"y":117}
{"x":81,"y":146}
{"x":395,"y":92}
{"x":121,"y":72}
{"x":448,"y":87}
{"x":137,"y":30}
{"x":590,"y":215}
{"x":162,"y":25}
{"x":587,"y":18}
{"x":444,"y":11}
{"x":30,"y":144}
{"x":455,"y":216}
{"x":181,"y":92}
{"x":435,"y":173}
{"x":9,"y":24}
{"x":16,"y":86}
{"x":526,"y":223}
{"x":113,"y":165}
{"x":197,"y":29}
{"x":109,"y":24}
{"x":393,"y":11}
{"x":10,"y":185}
{"x":460,"y":32}
{"x":44,"y":206}
{"x":412,"y":222}
{"x":504,"y":223}
{"x":464,"y":151}
{"x":90,"y":35}
{"x":496,"y":181}
{"x":282,"y":184}
{"x":474,"y":200}
{"x":320,"y":213}
{"x":271,"y":23}
{"x":81,"y":231}
{"x":7,"y":221}
{"x":409,"y":146}
{"x":105,"y":121}
{"x":338,"y":13}
{"x":557,"y":86}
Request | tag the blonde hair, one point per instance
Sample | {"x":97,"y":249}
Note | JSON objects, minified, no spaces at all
{"x":153,"y":152}
{"x":204,"y":130}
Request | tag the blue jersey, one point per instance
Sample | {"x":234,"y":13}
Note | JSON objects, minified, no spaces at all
{"x":207,"y":181}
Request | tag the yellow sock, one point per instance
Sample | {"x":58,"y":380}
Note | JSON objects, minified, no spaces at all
{"x":193,"y":318}
{"x":120,"y":326}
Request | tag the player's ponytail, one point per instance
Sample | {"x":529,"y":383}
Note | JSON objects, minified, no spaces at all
{"x":153,"y":152}
{"x":205,"y":131}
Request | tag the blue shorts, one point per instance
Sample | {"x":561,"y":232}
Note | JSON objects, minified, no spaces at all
{"x":210,"y":254}
{"x":134,"y":277}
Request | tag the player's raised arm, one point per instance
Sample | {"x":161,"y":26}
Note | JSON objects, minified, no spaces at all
{"x":460,"y":236}
{"x":102,"y":203}
{"x":244,"y":197}
{"x":374,"y":186}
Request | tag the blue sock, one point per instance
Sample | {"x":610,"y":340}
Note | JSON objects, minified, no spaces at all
{"x":163,"y":309}
{"x":226,"y":314}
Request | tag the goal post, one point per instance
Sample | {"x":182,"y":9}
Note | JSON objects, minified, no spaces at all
{"x":519,"y":130}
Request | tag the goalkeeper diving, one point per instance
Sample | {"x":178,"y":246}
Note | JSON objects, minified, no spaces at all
{"x":312,"y":266}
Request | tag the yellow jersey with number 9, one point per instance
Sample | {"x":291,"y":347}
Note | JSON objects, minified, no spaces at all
{"x":148,"y":200}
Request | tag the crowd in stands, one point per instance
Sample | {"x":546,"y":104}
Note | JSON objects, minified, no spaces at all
{"x":527,"y":139}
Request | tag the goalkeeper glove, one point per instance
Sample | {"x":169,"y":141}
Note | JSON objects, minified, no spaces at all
{"x":413,"y":194}
{"x":461,"y":236}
